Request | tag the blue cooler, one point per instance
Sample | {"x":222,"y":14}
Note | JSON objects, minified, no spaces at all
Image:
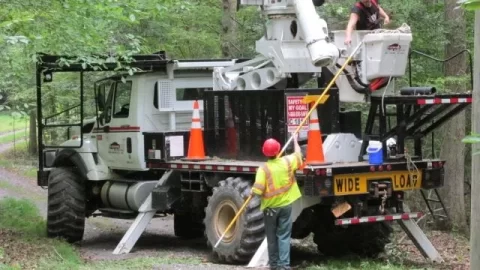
{"x":375,"y":153}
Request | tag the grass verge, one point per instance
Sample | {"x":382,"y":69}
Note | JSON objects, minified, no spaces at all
{"x":19,"y":160}
{"x":17,"y":136}
{"x":8,"y":123}
{"x":23,"y":242}
{"x":24,"y":245}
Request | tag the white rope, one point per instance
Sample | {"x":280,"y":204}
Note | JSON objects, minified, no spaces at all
{"x":404,"y":28}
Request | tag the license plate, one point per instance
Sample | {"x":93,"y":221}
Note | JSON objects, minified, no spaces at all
{"x":353,"y":184}
{"x":341,"y":209}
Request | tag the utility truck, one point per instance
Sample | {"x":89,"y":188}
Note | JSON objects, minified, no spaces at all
{"x":132,"y":159}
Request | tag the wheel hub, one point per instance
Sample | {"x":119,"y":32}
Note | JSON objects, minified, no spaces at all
{"x":225,"y":213}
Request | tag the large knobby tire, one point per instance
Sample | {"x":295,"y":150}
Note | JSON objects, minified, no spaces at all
{"x":246,"y":235}
{"x":364,"y":240}
{"x":66,"y":204}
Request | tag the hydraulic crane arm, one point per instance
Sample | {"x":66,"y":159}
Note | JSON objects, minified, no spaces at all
{"x":295,"y":42}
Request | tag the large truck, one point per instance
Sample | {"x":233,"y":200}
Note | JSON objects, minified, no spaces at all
{"x":131,"y":159}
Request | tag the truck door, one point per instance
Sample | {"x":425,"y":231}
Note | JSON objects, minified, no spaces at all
{"x":119,"y":132}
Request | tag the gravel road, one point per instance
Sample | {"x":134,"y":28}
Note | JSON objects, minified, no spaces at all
{"x":103,"y":234}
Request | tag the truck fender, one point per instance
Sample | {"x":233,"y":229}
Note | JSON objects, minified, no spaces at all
{"x":89,"y":167}
{"x":70,"y":158}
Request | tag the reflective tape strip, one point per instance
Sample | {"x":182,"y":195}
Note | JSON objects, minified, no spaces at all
{"x":272,"y":191}
{"x":196,"y":124}
{"x":259,"y":186}
{"x":443,"y":101}
{"x":371,"y":219}
{"x":269,"y":179}
{"x":210,"y":167}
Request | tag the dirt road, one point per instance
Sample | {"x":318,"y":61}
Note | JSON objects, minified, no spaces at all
{"x":102,"y":235}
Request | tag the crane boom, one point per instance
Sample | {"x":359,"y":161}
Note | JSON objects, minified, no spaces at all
{"x":298,"y":44}
{"x":295,"y":42}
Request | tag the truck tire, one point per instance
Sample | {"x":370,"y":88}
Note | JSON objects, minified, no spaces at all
{"x":243,"y":239}
{"x":365,"y":240}
{"x":66,"y":204}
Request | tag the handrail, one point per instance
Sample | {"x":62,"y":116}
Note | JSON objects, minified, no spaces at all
{"x":439,"y":60}
{"x":57,"y":114}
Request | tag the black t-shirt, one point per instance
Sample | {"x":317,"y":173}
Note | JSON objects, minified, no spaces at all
{"x":369,"y":17}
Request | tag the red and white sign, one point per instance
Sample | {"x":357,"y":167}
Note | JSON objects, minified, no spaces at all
{"x":296,"y":111}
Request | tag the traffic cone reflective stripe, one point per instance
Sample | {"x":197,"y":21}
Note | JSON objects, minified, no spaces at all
{"x":196,"y":150}
{"x":315,"y":155}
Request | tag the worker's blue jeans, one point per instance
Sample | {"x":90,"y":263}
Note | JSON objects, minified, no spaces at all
{"x":278,"y":229}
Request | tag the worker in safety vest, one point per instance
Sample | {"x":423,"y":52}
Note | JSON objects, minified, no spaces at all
{"x":275,"y":183}
{"x":365,"y":15}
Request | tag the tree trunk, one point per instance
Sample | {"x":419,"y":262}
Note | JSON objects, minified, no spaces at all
{"x":475,"y":203}
{"x":229,"y":27}
{"x":453,"y":150}
{"x":32,"y":145}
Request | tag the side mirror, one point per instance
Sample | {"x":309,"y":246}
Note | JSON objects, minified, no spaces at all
{"x":101,"y":99}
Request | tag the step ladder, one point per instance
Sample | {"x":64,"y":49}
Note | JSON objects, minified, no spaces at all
{"x":409,"y":226}
{"x":435,"y":205}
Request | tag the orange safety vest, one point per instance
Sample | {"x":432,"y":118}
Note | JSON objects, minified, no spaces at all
{"x":276,"y":183}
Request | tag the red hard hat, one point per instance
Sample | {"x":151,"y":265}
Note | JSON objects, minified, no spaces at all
{"x":271,"y":147}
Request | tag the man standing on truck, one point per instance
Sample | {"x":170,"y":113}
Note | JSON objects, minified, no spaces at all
{"x":365,"y":15}
{"x":275,"y":183}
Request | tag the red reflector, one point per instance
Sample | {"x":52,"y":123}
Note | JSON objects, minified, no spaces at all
{"x":389,"y":167}
{"x":372,"y":168}
{"x":380,"y":168}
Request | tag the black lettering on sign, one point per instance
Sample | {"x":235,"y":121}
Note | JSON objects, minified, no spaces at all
{"x":405,"y":182}
{"x":340,"y":185}
{"x":349,"y":184}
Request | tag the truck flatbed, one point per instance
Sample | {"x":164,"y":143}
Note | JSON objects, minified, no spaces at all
{"x":241,"y":166}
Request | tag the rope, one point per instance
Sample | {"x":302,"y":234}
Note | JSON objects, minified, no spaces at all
{"x":404,"y":28}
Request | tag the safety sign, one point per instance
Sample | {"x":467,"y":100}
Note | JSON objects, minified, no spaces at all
{"x":296,"y":112}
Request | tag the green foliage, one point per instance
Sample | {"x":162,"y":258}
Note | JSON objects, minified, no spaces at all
{"x":469,"y":4}
{"x":22,"y":216}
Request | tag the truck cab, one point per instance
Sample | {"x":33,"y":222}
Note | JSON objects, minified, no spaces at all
{"x":129,"y":106}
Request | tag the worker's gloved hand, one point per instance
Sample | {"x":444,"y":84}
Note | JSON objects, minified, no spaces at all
{"x":294,"y":136}
{"x":348,"y":41}
{"x":387,"y":20}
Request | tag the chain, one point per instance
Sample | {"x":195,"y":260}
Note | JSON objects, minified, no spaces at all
{"x":384,"y":199}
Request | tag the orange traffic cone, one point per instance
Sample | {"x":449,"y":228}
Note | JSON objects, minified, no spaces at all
{"x":315,"y":154}
{"x":196,"y":149}
{"x":231,"y":134}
